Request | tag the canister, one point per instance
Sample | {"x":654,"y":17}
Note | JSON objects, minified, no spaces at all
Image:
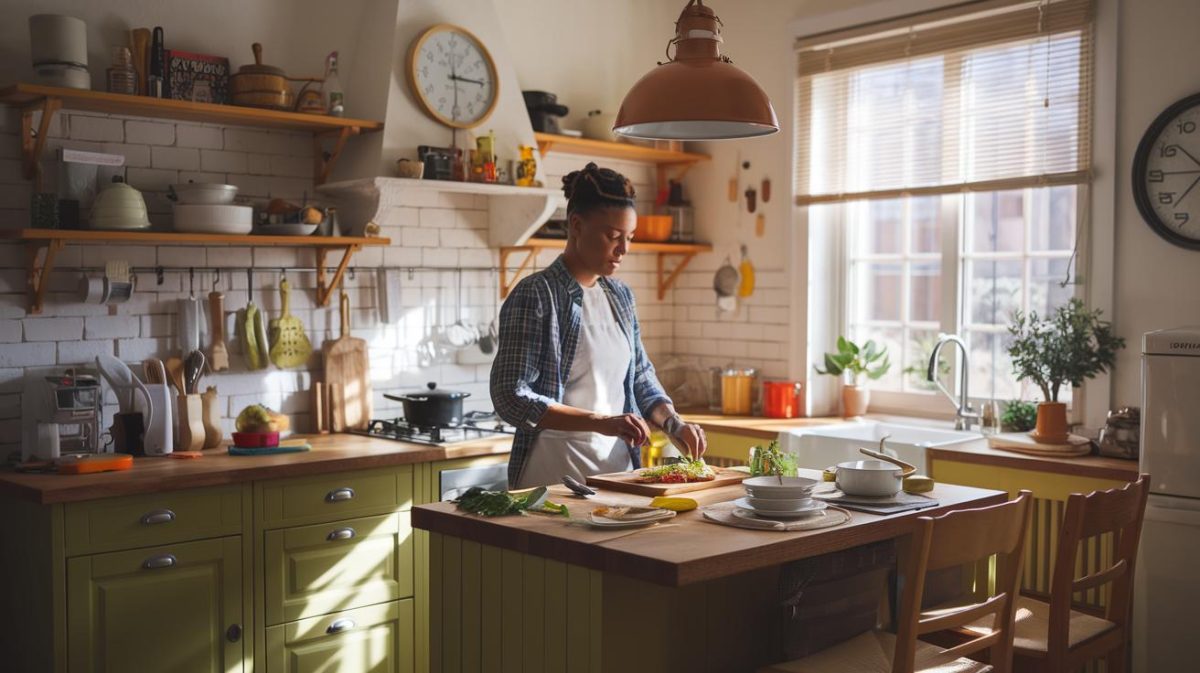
{"x":737,"y":391}
{"x":783,"y":399}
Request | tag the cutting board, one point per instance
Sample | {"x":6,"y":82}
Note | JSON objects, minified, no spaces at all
{"x":1022,"y":442}
{"x":627,"y":483}
{"x":349,"y":387}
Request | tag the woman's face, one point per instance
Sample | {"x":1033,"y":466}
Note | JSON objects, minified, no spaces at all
{"x":602,"y":237}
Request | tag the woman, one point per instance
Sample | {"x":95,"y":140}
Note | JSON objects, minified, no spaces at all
{"x":570,"y":371}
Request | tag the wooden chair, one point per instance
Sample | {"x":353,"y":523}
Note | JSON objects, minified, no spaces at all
{"x":1054,"y":637}
{"x":953,"y":539}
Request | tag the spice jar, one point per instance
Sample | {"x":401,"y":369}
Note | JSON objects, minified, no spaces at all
{"x":122,"y":78}
{"x":737,"y":391}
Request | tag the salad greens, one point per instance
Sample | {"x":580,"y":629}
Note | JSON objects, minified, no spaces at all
{"x":685,"y":471}
{"x":771,"y":461}
{"x":498,"y":503}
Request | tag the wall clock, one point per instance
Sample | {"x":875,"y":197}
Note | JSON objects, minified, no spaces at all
{"x":453,"y":76}
{"x":1166,"y":174}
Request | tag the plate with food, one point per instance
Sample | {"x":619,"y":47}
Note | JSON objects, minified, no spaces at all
{"x":627,"y":517}
{"x":669,"y":479}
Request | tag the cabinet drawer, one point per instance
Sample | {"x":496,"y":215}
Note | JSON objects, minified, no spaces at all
{"x":315,"y":570}
{"x":154,"y":519}
{"x":377,"y":638}
{"x":333,"y":497}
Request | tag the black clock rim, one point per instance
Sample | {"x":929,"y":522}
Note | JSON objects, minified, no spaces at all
{"x":1140,"y":158}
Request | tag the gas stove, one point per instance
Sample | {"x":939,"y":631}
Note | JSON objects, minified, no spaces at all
{"x":476,"y":425}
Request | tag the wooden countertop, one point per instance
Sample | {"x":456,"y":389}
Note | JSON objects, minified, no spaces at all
{"x":685,"y":549}
{"x":755,"y":426}
{"x":980,"y":453}
{"x":330,"y":453}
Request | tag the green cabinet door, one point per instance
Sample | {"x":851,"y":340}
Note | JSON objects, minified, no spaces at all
{"x":374,"y":639}
{"x":172,"y":608}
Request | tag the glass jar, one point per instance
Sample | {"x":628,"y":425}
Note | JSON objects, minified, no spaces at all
{"x":122,"y":78}
{"x":737,"y":391}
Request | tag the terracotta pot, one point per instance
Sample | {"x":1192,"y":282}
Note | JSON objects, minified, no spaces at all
{"x":1051,"y":423}
{"x":855,"y":400}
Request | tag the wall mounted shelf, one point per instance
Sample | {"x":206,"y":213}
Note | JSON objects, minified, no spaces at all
{"x":666,"y":278}
{"x":42,"y":245}
{"x":49,"y":100}
{"x":665,"y":161}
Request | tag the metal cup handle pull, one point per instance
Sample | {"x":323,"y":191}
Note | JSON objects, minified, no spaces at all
{"x":157,"y":516}
{"x":340,"y":495}
{"x":340,"y":534}
{"x":161,"y":561}
{"x":340,"y":625}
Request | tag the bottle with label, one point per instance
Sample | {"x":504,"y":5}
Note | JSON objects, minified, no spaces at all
{"x":335,"y":101}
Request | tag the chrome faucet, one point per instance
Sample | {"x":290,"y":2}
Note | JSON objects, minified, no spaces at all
{"x":964,"y":415}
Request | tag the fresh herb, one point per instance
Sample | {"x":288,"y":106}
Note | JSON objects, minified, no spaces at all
{"x":771,"y":461}
{"x":1018,"y":416}
{"x":498,"y":503}
{"x":686,"y":471}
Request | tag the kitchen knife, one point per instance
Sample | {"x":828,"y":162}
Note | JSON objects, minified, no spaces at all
{"x":155,"y":81}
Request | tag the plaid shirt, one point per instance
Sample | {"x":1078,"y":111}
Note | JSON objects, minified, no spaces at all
{"x":539,"y":329}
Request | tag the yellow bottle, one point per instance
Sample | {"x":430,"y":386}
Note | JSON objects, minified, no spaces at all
{"x":746,"y":271}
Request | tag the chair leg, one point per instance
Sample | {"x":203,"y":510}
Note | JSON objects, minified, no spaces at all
{"x":1116,"y":660}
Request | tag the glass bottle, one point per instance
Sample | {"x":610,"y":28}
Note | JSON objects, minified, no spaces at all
{"x":990,"y":418}
{"x":122,"y":78}
{"x":336,"y":103}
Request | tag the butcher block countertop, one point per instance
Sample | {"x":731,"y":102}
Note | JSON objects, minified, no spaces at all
{"x":682,"y":550}
{"x":330,"y":453}
{"x":754,"y":426}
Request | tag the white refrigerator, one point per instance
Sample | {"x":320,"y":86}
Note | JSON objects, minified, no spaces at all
{"x":1166,"y":618}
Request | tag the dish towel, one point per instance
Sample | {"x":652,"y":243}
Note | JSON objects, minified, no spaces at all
{"x":723,"y":513}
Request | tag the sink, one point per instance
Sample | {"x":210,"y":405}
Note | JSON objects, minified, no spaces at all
{"x":822,"y":446}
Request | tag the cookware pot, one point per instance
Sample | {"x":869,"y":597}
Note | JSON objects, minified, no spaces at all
{"x":881,"y":477}
{"x":202,"y":193}
{"x":432,"y":407}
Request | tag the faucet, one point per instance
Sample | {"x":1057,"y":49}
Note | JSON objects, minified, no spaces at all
{"x":964,"y":415}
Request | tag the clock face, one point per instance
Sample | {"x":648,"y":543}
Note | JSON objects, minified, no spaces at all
{"x":1166,"y":174}
{"x":453,"y":76}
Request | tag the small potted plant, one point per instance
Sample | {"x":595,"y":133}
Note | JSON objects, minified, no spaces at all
{"x":1070,"y":347}
{"x":870,"y":359}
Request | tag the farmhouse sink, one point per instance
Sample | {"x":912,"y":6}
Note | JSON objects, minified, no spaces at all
{"x":822,"y":446}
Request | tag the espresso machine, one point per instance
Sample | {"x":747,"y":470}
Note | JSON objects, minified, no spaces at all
{"x":62,"y":413}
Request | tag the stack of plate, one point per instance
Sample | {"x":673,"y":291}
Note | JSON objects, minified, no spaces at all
{"x":779,"y":498}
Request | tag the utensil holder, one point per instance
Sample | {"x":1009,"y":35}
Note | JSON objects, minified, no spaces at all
{"x":159,"y":439}
{"x":128,"y":433}
{"x":191,"y":422}
{"x":212,"y":418}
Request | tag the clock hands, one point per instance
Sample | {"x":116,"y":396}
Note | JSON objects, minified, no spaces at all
{"x":465,"y":79}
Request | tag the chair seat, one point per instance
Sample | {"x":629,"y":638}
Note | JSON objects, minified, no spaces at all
{"x":871,"y":652}
{"x":1033,"y":625}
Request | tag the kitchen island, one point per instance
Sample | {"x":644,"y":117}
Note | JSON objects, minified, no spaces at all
{"x":536,"y":592}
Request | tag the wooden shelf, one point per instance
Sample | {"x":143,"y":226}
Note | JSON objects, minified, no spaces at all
{"x":50,"y":99}
{"x":666,"y":277}
{"x":669,"y":164}
{"x":43,"y":245}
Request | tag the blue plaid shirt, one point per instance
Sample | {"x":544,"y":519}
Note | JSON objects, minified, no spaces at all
{"x":539,"y":329}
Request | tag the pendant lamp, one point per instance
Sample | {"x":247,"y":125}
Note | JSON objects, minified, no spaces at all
{"x":699,"y":94}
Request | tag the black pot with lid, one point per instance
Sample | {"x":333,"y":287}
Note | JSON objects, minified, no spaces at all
{"x":433,"y":406}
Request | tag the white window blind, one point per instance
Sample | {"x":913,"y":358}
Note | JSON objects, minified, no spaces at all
{"x":983,"y":97}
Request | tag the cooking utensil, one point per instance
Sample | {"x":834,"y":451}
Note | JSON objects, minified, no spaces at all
{"x":576,"y":487}
{"x":432,"y":407}
{"x":156,"y":78}
{"x":627,"y":482}
{"x":880,"y":477}
{"x":193,"y":368}
{"x":175,"y":375}
{"x":725,"y":283}
{"x":140,"y":38}
{"x":349,"y":398}
{"x":259,"y":85}
{"x":880,"y":455}
{"x":212,"y":418}
{"x":289,"y":343}
{"x":248,"y":323}
{"x":120,"y":378}
{"x":218,"y":352}
{"x":154,"y":371}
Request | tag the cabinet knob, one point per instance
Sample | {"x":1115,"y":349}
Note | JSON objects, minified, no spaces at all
{"x":341,"y":625}
{"x":340,"y":534}
{"x":340,"y":494}
{"x":161,"y":561}
{"x":233,"y":633}
{"x":157,"y":516}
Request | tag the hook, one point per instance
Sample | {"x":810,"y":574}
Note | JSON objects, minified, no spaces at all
{"x":249,"y":280}
{"x":158,"y":275}
{"x":351,"y":273}
{"x":216,"y":279}
{"x":192,"y":280}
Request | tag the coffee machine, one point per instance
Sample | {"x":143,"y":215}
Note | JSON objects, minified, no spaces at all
{"x":63,"y":408}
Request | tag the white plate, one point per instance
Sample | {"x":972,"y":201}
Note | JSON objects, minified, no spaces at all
{"x":604,"y":522}
{"x":288,"y":229}
{"x":814,"y":506}
{"x":757,"y":516}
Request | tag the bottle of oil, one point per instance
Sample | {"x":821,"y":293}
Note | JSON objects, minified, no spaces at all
{"x":335,"y":99}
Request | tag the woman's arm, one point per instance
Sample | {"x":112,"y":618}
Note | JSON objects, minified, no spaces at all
{"x":629,"y":427}
{"x":516,"y":367}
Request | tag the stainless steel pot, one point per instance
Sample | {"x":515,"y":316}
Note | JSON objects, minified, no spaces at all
{"x":432,"y":407}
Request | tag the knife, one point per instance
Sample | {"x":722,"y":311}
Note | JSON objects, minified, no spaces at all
{"x":155,"y":81}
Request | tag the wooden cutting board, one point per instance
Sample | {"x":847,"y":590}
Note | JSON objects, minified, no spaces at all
{"x":627,"y":483}
{"x":349,"y":386}
{"x":1022,"y":442}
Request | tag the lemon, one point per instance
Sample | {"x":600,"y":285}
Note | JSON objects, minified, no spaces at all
{"x":674,"y":504}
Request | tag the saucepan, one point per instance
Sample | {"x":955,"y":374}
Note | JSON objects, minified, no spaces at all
{"x":432,"y":407}
{"x":880,"y":477}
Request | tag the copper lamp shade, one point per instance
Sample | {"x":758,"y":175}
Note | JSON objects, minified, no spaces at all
{"x":699,"y":95}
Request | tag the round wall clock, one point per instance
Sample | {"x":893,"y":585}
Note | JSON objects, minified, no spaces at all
{"x":1166,"y":174}
{"x":453,"y":76}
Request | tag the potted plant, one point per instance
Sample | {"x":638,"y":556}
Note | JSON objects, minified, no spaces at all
{"x":1070,"y":347}
{"x":870,"y":359}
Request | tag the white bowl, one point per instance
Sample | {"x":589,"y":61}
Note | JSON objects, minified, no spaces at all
{"x":213,"y":219}
{"x":779,"y":504}
{"x":204,"y":193}
{"x":779,"y":487}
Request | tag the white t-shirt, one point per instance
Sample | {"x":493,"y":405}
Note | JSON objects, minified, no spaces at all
{"x":596,"y":383}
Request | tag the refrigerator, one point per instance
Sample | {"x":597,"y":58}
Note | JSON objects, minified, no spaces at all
{"x":1166,"y":617}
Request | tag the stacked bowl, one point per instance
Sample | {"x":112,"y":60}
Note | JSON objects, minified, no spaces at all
{"x":779,"y":498}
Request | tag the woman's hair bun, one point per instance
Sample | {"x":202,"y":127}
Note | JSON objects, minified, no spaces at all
{"x":570,"y":180}
{"x":592,"y":187}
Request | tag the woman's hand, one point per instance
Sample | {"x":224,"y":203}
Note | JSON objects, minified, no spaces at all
{"x":629,"y":427}
{"x":693,"y":439}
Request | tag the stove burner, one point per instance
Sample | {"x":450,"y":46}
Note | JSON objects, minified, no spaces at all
{"x":475,"y":425}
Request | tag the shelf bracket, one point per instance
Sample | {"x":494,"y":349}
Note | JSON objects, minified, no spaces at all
{"x":544,"y":146}
{"x":323,"y":161}
{"x":666,"y":280}
{"x":664,"y":176}
{"x":507,"y":282}
{"x":40,"y":262}
{"x":32,"y":143}
{"x":324,"y":290}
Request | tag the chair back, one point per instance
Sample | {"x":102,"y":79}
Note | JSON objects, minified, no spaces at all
{"x":1117,"y":512}
{"x":955,"y":539}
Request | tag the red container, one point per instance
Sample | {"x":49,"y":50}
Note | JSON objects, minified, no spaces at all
{"x":255,"y":440}
{"x":783,"y":399}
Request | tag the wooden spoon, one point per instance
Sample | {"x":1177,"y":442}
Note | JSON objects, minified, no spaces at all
{"x":880,"y":455}
{"x":175,"y":375}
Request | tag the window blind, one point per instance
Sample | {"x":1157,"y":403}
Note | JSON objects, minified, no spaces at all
{"x":979,"y":97}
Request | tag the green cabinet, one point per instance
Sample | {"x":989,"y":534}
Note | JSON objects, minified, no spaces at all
{"x":177,"y":607}
{"x":373,"y":639}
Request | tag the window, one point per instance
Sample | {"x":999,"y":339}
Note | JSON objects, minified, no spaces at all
{"x":949,"y":153}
